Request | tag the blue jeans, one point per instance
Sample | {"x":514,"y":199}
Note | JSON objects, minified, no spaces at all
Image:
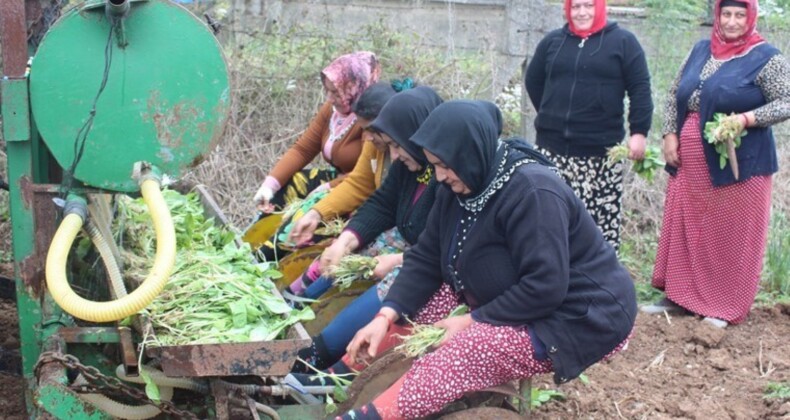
{"x":317,"y":288}
{"x":351,"y":319}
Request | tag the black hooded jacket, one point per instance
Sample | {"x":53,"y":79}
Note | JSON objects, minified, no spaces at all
{"x":533,"y":256}
{"x":392,"y":204}
{"x":578,"y":87}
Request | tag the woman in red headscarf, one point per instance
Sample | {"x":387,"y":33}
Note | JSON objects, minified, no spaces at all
{"x":577,"y":80}
{"x":716,"y":217}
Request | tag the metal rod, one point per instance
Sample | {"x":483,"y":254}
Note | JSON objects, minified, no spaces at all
{"x":14,"y":38}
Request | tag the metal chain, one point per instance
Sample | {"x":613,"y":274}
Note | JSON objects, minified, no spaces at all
{"x":99,"y":381}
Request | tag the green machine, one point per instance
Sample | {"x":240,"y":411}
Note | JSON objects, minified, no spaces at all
{"x":120,"y":96}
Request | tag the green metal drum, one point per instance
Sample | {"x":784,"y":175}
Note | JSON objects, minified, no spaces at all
{"x":165,"y":102}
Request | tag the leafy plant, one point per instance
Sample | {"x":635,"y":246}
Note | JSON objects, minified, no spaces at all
{"x":724,"y":133}
{"x":646,"y":167}
{"x":352,"y":268}
{"x":424,"y":337}
{"x":542,"y":396}
{"x":776,"y":271}
{"x":779,"y":391}
{"x":215,"y":294}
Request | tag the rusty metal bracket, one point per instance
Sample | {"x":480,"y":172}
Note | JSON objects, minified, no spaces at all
{"x":221,"y":400}
{"x":128,"y":354}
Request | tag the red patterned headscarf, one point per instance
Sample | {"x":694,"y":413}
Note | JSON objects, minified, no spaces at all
{"x":599,"y":20}
{"x":723,"y":49}
{"x":351,"y":74}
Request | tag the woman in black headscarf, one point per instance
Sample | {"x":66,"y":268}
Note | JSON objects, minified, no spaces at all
{"x":385,"y":226}
{"x":510,"y":239}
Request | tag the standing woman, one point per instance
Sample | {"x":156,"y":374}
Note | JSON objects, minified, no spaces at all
{"x":577,"y":80}
{"x":510,"y":239}
{"x":713,"y":236}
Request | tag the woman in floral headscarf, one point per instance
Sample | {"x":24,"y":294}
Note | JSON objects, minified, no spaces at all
{"x":710,"y":253}
{"x":334,"y":132}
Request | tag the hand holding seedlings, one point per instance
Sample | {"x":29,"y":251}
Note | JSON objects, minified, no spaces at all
{"x":725,"y":134}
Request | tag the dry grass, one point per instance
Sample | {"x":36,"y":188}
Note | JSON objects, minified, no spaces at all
{"x":276,"y":90}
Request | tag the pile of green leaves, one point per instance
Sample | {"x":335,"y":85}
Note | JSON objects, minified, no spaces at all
{"x":216,"y":293}
{"x":722,"y":130}
{"x":645,"y":168}
{"x":425,"y":337}
{"x":352,"y":268}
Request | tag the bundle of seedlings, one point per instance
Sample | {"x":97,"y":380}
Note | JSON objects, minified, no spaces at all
{"x":424,"y":337}
{"x":216,"y":293}
{"x":294,"y":211}
{"x":332,"y":227}
{"x":352,"y":268}
{"x":725,"y":134}
{"x":646,"y":168}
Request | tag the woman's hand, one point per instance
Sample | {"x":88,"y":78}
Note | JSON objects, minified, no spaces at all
{"x":263,"y":197}
{"x":386,"y":264}
{"x":365,"y":344}
{"x":637,"y":144}
{"x":454,"y":325}
{"x":670,"y":149}
{"x":303,"y":229}
{"x":345,"y":244}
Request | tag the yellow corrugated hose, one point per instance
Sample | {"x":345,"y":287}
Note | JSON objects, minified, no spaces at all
{"x":64,"y":295}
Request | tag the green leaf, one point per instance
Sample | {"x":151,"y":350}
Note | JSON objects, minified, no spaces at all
{"x":340,"y":393}
{"x":238,"y":311}
{"x":151,"y":390}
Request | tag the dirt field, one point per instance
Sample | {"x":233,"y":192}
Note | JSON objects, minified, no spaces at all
{"x":677,"y":368}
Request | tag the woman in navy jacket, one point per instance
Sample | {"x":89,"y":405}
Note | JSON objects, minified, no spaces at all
{"x":510,"y":239}
{"x":710,"y":253}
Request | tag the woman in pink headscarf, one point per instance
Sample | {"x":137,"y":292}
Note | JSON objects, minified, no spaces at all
{"x":710,"y":253}
{"x":334,"y":133}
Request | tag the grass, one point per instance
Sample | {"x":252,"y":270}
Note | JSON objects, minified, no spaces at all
{"x":778,"y":391}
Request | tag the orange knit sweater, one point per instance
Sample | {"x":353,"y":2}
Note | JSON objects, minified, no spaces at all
{"x":356,"y":186}
{"x":344,"y":152}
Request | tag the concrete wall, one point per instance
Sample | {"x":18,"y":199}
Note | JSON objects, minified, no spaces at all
{"x":509,"y":27}
{"x":512,"y":28}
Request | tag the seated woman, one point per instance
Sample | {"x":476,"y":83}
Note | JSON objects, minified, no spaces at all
{"x":334,"y":132}
{"x":370,"y":170}
{"x":391,"y":219}
{"x":511,"y":240}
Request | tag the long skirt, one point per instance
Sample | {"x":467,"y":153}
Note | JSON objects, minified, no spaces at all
{"x":710,"y":252}
{"x":481,"y":356}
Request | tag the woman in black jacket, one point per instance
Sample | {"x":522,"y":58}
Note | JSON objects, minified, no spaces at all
{"x":577,"y":80}
{"x":399,"y":208}
{"x":509,"y":238}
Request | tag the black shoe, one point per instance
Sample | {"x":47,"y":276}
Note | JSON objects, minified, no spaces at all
{"x":663,"y":305}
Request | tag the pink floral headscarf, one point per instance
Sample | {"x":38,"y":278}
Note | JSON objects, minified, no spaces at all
{"x":351,"y":74}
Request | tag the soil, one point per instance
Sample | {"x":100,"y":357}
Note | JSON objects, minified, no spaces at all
{"x":681,"y":367}
{"x":676,"y":368}
{"x":12,"y":403}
